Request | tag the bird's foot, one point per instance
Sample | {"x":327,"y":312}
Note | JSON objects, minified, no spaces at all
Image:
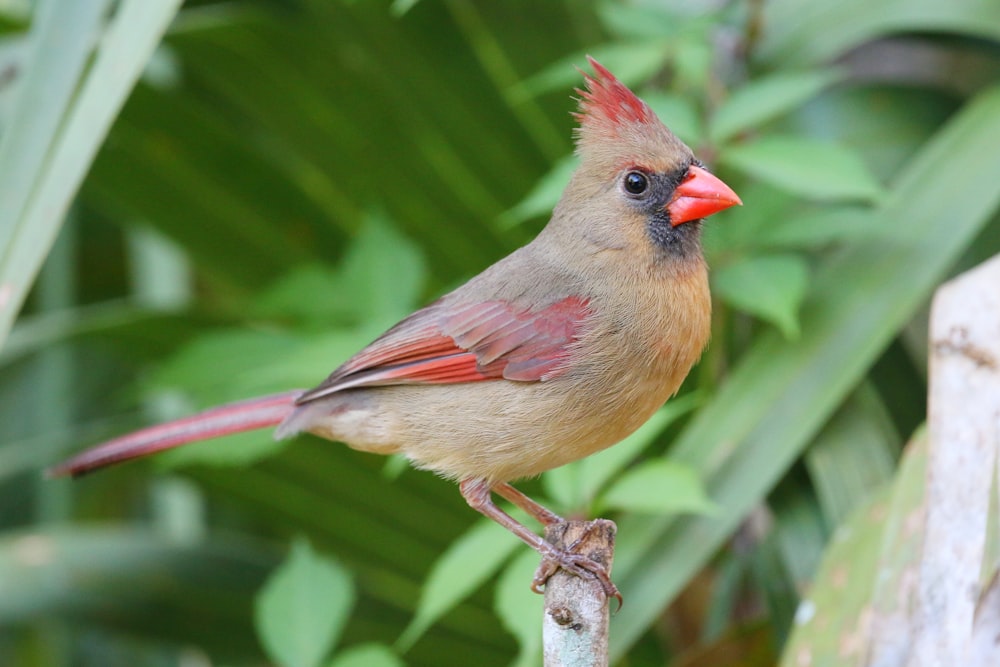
{"x":476,"y":492}
{"x":577,"y":564}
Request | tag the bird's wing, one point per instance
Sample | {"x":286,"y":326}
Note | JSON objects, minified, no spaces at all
{"x":446,"y":343}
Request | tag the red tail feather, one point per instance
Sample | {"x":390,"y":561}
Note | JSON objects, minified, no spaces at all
{"x":237,"y":417}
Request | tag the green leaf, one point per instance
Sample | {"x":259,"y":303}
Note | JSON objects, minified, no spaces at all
{"x":575,"y":485}
{"x":764,"y":99}
{"x":800,"y":532}
{"x":367,"y":655}
{"x":305,"y":361}
{"x":812,"y":169}
{"x":827,"y":225}
{"x":745,"y":229}
{"x":679,"y":113}
{"x":401,"y":7}
{"x":887,"y":124}
{"x":42,"y":166}
{"x":853,"y":454}
{"x":109,"y":319}
{"x":312,"y":294}
{"x":469,"y":561}
{"x":658,"y":487}
{"x":901,"y":549}
{"x":57,"y":49}
{"x":692,"y":63}
{"x":641,"y":20}
{"x":769,"y":286}
{"x":866,"y":579}
{"x":383,"y":273}
{"x":804,"y":32}
{"x":220,"y":365}
{"x":781,"y":393}
{"x":544,"y":196}
{"x":632,"y":62}
{"x":520,"y":610}
{"x":302,"y":608}
{"x":380,"y":279}
{"x":122,"y":573}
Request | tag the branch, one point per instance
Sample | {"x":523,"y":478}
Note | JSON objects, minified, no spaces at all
{"x":575,"y":623}
{"x":964,"y":427}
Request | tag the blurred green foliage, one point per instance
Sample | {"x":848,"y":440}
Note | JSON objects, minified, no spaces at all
{"x":289,"y":177}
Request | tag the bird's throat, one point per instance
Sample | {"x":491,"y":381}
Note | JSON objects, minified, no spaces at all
{"x":674,"y":243}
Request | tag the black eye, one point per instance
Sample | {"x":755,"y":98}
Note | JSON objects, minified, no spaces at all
{"x":635,"y":182}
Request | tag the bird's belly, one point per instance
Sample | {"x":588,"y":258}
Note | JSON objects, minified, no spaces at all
{"x":500,"y":433}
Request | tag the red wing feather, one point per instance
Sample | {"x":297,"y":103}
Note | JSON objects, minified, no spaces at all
{"x":468,"y":343}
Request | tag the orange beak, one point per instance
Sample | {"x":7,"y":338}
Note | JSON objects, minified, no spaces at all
{"x":699,"y":196}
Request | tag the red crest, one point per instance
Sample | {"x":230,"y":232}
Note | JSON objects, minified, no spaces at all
{"x":608,"y":102}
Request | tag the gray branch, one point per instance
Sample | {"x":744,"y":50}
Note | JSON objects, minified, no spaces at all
{"x":575,"y":624}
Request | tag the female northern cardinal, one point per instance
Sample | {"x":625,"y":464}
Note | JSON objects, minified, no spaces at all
{"x":553,"y":353}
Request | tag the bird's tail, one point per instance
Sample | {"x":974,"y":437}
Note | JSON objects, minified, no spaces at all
{"x":236,"y":417}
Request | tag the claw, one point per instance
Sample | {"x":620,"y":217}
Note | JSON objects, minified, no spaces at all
{"x":545,"y":570}
{"x":579,"y":565}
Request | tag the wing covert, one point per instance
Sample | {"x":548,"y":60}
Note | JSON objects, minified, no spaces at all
{"x":451,"y":343}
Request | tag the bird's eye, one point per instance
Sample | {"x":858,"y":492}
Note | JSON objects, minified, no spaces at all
{"x":635,"y":182}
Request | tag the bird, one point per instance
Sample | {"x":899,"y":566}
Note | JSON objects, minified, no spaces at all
{"x":555,"y":352}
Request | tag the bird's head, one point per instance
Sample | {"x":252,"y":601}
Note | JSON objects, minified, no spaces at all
{"x":638,"y":187}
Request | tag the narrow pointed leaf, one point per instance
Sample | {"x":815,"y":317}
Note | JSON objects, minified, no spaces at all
{"x":575,"y":485}
{"x":469,"y":562}
{"x":542,"y":198}
{"x":134,"y":581}
{"x":764,"y":99}
{"x":520,"y":609}
{"x":367,"y":655}
{"x":861,"y":599}
{"x":853,"y":455}
{"x":768,"y":286}
{"x":678,"y":112}
{"x":806,"y":167}
{"x":633,"y":61}
{"x":642,"y":20}
{"x":813,"y":32}
{"x":658,"y":487}
{"x":134,"y":31}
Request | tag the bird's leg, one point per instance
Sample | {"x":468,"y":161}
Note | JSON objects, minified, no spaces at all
{"x":477,"y":493}
{"x":543,"y":515}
